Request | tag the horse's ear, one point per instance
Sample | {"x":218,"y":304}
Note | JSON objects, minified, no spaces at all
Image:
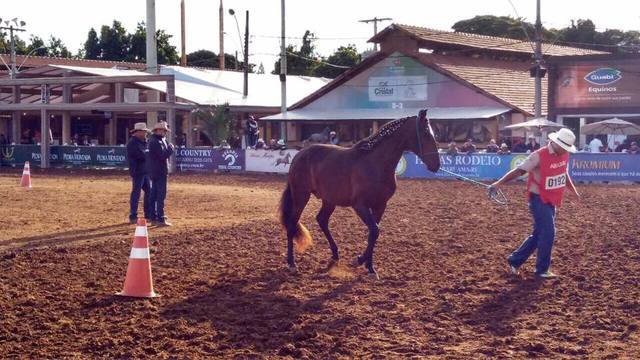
{"x":422,"y":114}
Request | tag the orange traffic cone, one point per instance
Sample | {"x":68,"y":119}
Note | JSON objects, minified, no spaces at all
{"x":26,"y":176}
{"x":138,"y":282}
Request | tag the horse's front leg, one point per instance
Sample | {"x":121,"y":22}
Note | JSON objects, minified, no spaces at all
{"x":366,"y":215}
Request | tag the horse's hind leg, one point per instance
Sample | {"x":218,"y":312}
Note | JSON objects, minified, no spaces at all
{"x":367,"y":217}
{"x":323,"y":220}
{"x":299,"y":201}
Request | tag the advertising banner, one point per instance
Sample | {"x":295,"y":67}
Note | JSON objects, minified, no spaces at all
{"x":270,"y":161}
{"x":474,"y":166}
{"x":209,"y":159}
{"x":604,"y":167}
{"x":598,"y":84}
{"x":582,"y":166}
{"x":74,"y":155}
{"x":110,"y":156}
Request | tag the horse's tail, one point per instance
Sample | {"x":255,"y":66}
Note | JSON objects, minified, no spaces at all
{"x":301,"y":236}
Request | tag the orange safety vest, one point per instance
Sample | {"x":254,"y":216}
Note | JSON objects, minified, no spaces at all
{"x":553,"y":176}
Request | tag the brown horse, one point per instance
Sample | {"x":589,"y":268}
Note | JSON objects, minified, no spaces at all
{"x":362,"y":177}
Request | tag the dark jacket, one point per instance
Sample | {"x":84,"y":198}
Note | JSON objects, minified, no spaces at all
{"x":136,"y":154}
{"x":158,"y":156}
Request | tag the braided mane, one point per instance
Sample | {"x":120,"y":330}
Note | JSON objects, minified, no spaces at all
{"x":384,"y":132}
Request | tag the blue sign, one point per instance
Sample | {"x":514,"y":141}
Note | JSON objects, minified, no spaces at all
{"x":209,"y":159}
{"x":474,"y":166}
{"x":604,"y":167}
{"x":603,"y":76}
{"x":582,"y":166}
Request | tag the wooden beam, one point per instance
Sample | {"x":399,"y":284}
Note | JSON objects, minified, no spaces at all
{"x":144,"y":106}
{"x":86,"y":80}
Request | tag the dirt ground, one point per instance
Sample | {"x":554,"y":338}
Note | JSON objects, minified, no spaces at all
{"x":225,"y":291}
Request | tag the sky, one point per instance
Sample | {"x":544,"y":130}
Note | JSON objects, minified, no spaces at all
{"x":334,"y":22}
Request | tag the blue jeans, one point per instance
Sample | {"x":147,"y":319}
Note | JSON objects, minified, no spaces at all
{"x":158,"y":194}
{"x":544,"y":232}
{"x":140,"y":183}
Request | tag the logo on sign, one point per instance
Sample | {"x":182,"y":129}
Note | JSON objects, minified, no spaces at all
{"x":603,"y":76}
{"x":383,"y":89}
{"x":231,"y":157}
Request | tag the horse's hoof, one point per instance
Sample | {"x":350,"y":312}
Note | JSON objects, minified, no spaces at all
{"x":293,"y":269}
{"x":332,"y":262}
{"x":374,"y":276}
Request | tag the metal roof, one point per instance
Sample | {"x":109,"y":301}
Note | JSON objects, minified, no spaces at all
{"x":386,"y":113}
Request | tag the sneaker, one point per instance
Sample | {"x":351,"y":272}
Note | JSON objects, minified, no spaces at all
{"x":547,"y":275}
{"x":513,"y":270}
{"x":164,"y":223}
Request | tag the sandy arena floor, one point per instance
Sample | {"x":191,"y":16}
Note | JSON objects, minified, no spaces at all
{"x":443,"y":292}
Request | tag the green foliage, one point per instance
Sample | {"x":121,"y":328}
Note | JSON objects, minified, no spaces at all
{"x":56,"y":48}
{"x":92,"y":48}
{"x":303,"y":61}
{"x":582,"y":33}
{"x":216,"y":123}
{"x":209,"y":59}
{"x":344,"y":56}
{"x":114,"y":42}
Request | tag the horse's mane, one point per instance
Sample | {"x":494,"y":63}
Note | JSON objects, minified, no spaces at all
{"x":385,"y":131}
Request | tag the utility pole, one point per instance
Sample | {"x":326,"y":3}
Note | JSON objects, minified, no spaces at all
{"x":538,"y":59}
{"x":246,"y":56}
{"x":183,"y":58}
{"x":221,"y":35}
{"x":19,"y":27}
{"x":152,"y":59}
{"x":283,"y":76}
{"x":375,"y":22}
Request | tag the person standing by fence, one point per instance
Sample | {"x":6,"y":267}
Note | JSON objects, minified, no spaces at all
{"x":136,"y":155}
{"x":160,"y":150}
{"x":548,"y":176}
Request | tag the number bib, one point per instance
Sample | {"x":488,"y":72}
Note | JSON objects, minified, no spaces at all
{"x":555,"y":182}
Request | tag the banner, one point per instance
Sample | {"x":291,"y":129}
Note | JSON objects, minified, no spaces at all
{"x":87,"y":156}
{"x":474,"y":166}
{"x":610,"y":83}
{"x":604,"y":167}
{"x":270,"y":161}
{"x":209,"y":159}
{"x":582,"y":166}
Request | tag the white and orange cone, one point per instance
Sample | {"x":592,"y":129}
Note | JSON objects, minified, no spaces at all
{"x":139,"y":282}
{"x":26,"y":176}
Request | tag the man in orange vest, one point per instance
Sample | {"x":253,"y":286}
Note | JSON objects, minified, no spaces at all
{"x":548,"y":176}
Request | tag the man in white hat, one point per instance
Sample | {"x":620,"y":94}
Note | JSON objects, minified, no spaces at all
{"x":136,"y":155}
{"x":548,"y":176}
{"x":160,"y":150}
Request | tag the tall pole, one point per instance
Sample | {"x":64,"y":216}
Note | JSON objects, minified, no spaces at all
{"x":375,"y":22}
{"x":183,"y":57}
{"x":246,"y":56}
{"x":152,"y":59}
{"x":538,"y":59}
{"x":221,"y":35}
{"x":13,"y":54}
{"x":283,"y":75}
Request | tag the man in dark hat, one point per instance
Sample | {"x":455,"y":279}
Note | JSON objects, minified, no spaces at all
{"x":136,"y":149}
{"x":160,"y":150}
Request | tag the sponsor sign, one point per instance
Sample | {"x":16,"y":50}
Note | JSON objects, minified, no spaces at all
{"x":398,"y":88}
{"x":209,"y":159}
{"x":598,"y":84}
{"x":474,"y":166}
{"x":74,"y":155}
{"x":110,"y":156}
{"x":604,"y":167}
{"x":270,"y":161}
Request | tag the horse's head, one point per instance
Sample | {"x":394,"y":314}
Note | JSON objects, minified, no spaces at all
{"x":423,"y":142}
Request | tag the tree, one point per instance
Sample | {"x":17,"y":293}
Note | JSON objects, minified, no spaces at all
{"x":57,"y":48}
{"x":581,"y":33}
{"x":92,"y":48}
{"x":167,"y":54}
{"x":37,"y":43}
{"x":345,"y":56}
{"x":303,"y":61}
{"x":209,"y":59}
{"x":216,"y":123}
{"x":114,"y":42}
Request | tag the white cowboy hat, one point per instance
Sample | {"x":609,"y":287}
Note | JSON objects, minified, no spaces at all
{"x":280,"y":142}
{"x":162,"y":125}
{"x":139,"y":127}
{"x":565,"y":139}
